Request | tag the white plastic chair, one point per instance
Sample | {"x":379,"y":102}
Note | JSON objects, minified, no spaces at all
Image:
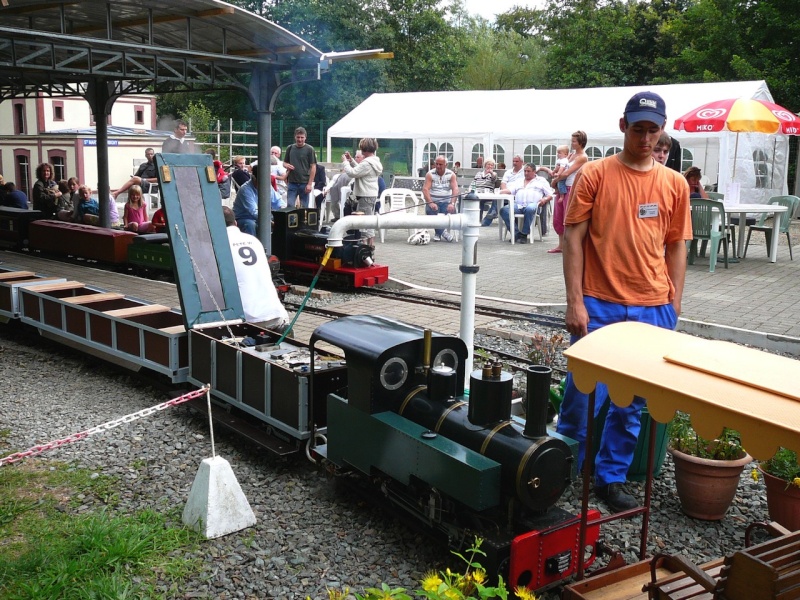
{"x":398,"y":200}
{"x":536,"y":229}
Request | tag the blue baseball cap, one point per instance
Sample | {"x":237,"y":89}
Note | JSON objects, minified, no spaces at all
{"x":646,"y":106}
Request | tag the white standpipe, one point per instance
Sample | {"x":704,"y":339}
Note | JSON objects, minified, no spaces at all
{"x":468,"y":222}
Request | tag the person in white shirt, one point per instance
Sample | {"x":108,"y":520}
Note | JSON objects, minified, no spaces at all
{"x":259,"y":297}
{"x":512,"y":178}
{"x":531,"y":194}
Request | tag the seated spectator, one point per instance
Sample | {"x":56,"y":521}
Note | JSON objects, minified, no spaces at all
{"x":240,"y":172}
{"x":245,"y":207}
{"x":478,"y":163}
{"x":45,"y":191}
{"x":259,"y":298}
{"x":485,"y":182}
{"x":320,"y":181}
{"x":280,"y":173}
{"x":159,"y":222}
{"x":87,"y":210}
{"x":696,"y":189}
{"x":457,"y":168}
{"x":12,"y":196}
{"x":144,"y":177}
{"x":223,"y":180}
{"x":69,"y":196}
{"x":440,"y":192}
{"x":134,"y":216}
{"x":531,"y":195}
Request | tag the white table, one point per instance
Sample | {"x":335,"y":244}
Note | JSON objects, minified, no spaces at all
{"x":743,"y":209}
{"x":501,"y":199}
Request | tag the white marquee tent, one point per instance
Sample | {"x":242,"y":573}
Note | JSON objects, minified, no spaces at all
{"x":533,"y":122}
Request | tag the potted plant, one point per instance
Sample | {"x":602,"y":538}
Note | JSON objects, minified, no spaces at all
{"x":707,"y":472}
{"x":782,"y":479}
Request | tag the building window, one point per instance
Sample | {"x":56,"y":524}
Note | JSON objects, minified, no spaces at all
{"x":19,"y":118}
{"x":687,"y":159}
{"x":23,"y":165}
{"x":499,"y":154}
{"x":58,"y":110}
{"x":446,"y":150}
{"x":59,"y":161}
{"x":613,"y":150}
{"x":594,"y":153}
{"x":477,"y":150}
{"x":428,"y":155}
{"x":761,"y":168}
{"x":138,"y":112}
{"x":549,"y":155}
{"x":532,"y":155}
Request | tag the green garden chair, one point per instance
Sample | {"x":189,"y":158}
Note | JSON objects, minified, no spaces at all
{"x":707,"y":228}
{"x":791,"y":202}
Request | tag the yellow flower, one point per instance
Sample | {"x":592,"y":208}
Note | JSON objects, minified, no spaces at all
{"x":796,"y":482}
{"x":479,"y":576}
{"x":451,"y":594}
{"x":431,"y":582}
{"x":754,"y":474}
{"x":524,"y":593}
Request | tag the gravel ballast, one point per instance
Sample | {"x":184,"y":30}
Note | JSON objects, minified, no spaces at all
{"x":312,"y":532}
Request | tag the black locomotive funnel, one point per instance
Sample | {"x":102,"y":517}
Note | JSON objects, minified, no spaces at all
{"x":537,"y":400}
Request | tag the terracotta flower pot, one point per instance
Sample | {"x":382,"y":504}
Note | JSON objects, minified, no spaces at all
{"x":706,"y":487}
{"x":783,"y":502}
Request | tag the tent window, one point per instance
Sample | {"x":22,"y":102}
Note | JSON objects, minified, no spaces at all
{"x":549,"y":156}
{"x":446,"y":150}
{"x":761,"y":167}
{"x":499,"y":154}
{"x":428,"y":154}
{"x":594,"y":153}
{"x":532,"y":155}
{"x":477,"y":150}
{"x":613,"y":150}
{"x":687,"y":159}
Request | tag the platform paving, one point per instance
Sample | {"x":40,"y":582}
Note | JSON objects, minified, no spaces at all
{"x":753,"y":294}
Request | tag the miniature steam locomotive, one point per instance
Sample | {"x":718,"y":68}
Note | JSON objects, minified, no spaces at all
{"x":460,"y":464}
{"x":300,"y":245}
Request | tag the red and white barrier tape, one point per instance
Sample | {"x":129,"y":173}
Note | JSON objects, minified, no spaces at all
{"x":146,"y":412}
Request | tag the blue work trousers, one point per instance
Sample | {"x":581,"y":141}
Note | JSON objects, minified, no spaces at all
{"x":247,"y":226}
{"x":441,"y":209}
{"x":621,"y":430}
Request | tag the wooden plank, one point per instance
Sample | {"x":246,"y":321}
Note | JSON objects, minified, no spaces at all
{"x":174,"y":329}
{"x":89,"y":298}
{"x":15,"y":274}
{"x":54,"y":287}
{"x":133,"y":311}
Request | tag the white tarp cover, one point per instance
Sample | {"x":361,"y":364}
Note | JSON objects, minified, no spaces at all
{"x":516,"y":118}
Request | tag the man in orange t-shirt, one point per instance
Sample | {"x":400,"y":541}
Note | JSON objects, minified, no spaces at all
{"x":624,"y":260}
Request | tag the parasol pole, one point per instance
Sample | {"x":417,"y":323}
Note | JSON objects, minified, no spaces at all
{"x":772,"y":171}
{"x":735,"y":154}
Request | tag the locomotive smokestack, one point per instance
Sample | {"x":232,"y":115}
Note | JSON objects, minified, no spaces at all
{"x":536,"y":401}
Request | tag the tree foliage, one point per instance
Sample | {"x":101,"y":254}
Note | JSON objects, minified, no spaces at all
{"x":570,"y":43}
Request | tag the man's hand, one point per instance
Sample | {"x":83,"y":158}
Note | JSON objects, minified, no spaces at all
{"x":288,"y":166}
{"x":309,"y":187}
{"x":451,"y":208}
{"x":577,"y":319}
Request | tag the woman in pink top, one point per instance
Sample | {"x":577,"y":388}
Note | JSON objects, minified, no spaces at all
{"x":576,"y":159}
{"x":134,"y":216}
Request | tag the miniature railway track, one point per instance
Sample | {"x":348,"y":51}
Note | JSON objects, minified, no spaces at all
{"x":501,"y":313}
{"x":514,"y":362}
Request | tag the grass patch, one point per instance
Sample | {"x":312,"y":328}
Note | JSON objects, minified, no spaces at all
{"x":46,"y":552}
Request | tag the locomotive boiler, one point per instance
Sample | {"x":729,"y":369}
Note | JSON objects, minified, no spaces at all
{"x":459,"y":463}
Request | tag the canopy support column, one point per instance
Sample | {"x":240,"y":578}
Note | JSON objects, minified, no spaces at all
{"x":100,"y":96}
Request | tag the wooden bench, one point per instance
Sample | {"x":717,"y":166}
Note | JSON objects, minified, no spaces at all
{"x":85,"y":241}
